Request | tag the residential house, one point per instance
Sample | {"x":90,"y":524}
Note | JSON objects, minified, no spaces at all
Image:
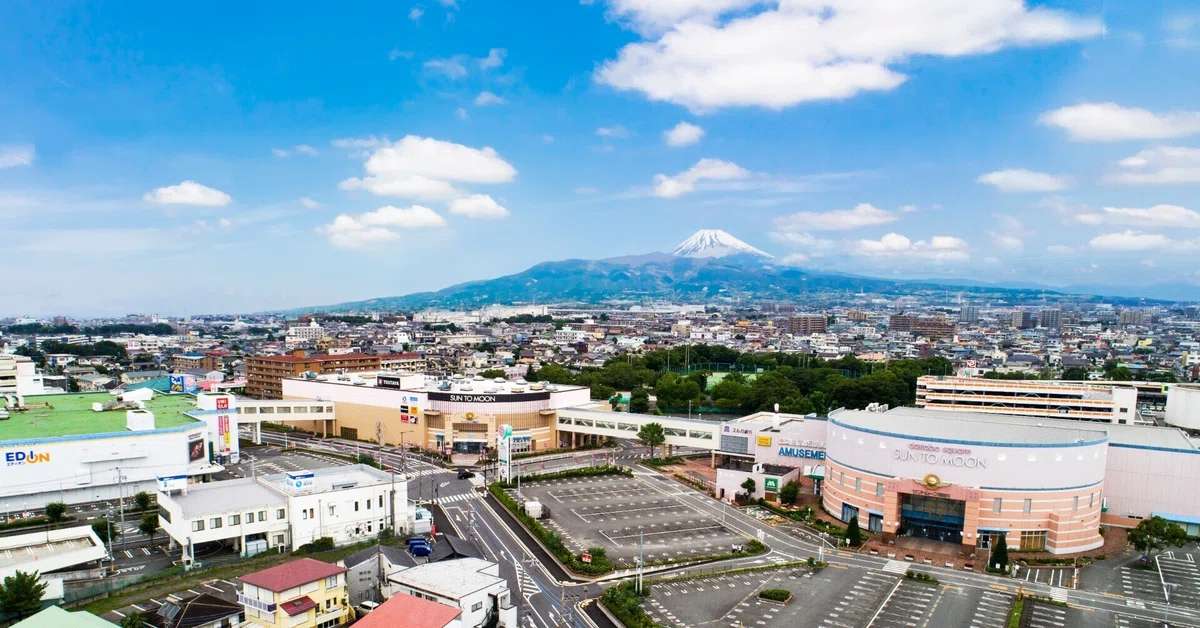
{"x":303,"y":593}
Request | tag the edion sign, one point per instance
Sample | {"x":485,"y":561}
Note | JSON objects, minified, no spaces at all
{"x":17,"y":458}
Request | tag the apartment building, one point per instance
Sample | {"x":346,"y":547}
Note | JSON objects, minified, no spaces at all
{"x":411,"y":362}
{"x":18,"y":374}
{"x":1085,"y":401}
{"x":265,"y":374}
{"x":933,"y":328}
{"x":807,"y":324}
{"x":304,"y":593}
{"x":191,"y":361}
{"x":1050,"y":319}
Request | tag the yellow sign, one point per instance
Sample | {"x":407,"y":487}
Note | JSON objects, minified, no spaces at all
{"x":764,"y":440}
{"x":932,"y":481}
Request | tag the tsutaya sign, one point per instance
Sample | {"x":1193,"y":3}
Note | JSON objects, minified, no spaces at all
{"x":943,"y":456}
{"x":504,"y":438}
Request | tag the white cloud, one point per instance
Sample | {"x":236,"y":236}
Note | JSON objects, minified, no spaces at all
{"x":279,"y":153}
{"x":478,"y":206}
{"x":612,"y":131}
{"x":1110,"y":122}
{"x":188,"y":193}
{"x":300,"y":149}
{"x":547,"y":138}
{"x":683,"y":134}
{"x":704,"y":170}
{"x":794,"y":259}
{"x":461,"y":113}
{"x":908,"y":209}
{"x":360,"y":143}
{"x":587,"y":189}
{"x":1158,"y":165}
{"x":451,"y":67}
{"x":1021,"y":180}
{"x":863,"y":215}
{"x":494,"y":59}
{"x":351,"y":231}
{"x":309,"y":203}
{"x":1006,"y":240}
{"x":708,"y":54}
{"x":428,"y":169}
{"x":1060,"y":249}
{"x":894,"y":245}
{"x":1131,"y":241}
{"x":485,"y":99}
{"x":224,"y":223}
{"x":396,"y":53}
{"x":12,"y":156}
{"x":415,"y":13}
{"x":1169,"y":216}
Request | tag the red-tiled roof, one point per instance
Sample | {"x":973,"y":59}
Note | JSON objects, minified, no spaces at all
{"x":405,"y":611}
{"x":316,"y":357}
{"x":298,"y":605}
{"x":293,"y":574}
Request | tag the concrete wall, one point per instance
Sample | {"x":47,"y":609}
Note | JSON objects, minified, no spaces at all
{"x":1140,"y":482}
{"x":1183,"y":406}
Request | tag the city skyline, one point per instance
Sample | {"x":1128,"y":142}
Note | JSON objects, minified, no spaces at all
{"x":265,"y":159}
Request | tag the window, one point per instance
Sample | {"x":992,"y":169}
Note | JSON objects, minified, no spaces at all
{"x":330,"y":510}
{"x":198,"y":526}
{"x":879,"y":489}
{"x":857,"y":485}
{"x":1028,"y":508}
{"x":249,"y":518}
{"x":235,"y":520}
{"x":355,"y":506}
{"x":262,"y":515}
{"x":165,"y":514}
{"x":476,"y":607}
{"x":312,"y":513}
{"x":1033,"y":540}
{"x":842,"y":477}
{"x":331,"y":582}
{"x":1076,"y":508}
{"x":214,"y":523}
{"x":280,"y":514}
{"x":997,"y":504}
{"x":278,"y":540}
{"x":381,"y":501}
{"x":1091,"y":500}
{"x":303,"y":515}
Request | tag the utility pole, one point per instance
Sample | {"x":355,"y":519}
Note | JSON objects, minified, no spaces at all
{"x":641,"y":561}
{"x":121,"y":501}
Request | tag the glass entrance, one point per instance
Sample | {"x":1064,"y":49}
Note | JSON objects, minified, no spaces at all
{"x":875,"y":523}
{"x":934,"y":518}
{"x":468,"y":447}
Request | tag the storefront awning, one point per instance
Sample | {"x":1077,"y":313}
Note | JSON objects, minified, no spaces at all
{"x":816,"y":472}
{"x":987,"y":529}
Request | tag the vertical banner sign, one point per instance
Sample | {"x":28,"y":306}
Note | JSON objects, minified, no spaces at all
{"x":224,"y":433}
{"x":504,"y":451}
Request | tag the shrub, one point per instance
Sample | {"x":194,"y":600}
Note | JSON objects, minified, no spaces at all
{"x":56,"y":511}
{"x":584,"y":472}
{"x":853,"y":534}
{"x":920,"y":577}
{"x":775,"y":595}
{"x":626,"y":605}
{"x":323,"y":544}
{"x":663,"y":462}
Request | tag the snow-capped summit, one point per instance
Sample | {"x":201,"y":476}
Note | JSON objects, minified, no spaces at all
{"x":715,"y":243}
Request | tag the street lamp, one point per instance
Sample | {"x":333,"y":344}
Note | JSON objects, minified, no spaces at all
{"x":1167,"y":586}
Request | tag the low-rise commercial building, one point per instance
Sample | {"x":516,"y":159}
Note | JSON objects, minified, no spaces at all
{"x":1085,"y":401}
{"x":471,"y":585}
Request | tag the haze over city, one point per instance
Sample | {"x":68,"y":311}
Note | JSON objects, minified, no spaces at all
{"x":249,"y":158}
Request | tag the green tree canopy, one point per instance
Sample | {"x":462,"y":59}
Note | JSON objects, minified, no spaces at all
{"x":21,"y":593}
{"x":101,"y":528}
{"x":149,"y":525}
{"x":143,"y":500}
{"x":1155,"y":534}
{"x":56,"y":511}
{"x":493,"y":373}
{"x":652,"y":435}
{"x":639,"y":400}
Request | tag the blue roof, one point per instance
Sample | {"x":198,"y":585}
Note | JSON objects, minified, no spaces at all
{"x":1177,"y":518}
{"x":158,"y":384}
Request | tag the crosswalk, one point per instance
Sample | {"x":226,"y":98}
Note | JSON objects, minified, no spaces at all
{"x":897,"y":567}
{"x":1058,"y":594}
{"x":450,"y":499}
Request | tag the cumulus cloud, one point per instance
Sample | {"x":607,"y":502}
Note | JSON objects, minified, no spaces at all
{"x":428,"y":169}
{"x":188,"y":193}
{"x":309,"y":203}
{"x":1158,"y":165}
{"x":704,"y":170}
{"x":350,"y":231}
{"x":494,"y":59}
{"x":683,"y":134}
{"x":12,"y":156}
{"x":1169,"y":216}
{"x":1110,"y":122}
{"x":479,"y":206}
{"x":794,"y":259}
{"x":709,"y":54}
{"x":1006,"y":240}
{"x":486,"y":98}
{"x":300,"y":149}
{"x":450,"y":67}
{"x":862,"y":215}
{"x":415,"y":13}
{"x":1060,"y":249}
{"x":1131,"y":241}
{"x":894,"y":245}
{"x":1021,"y":180}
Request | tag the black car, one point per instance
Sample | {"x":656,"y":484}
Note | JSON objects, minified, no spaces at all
{"x":464,"y":474}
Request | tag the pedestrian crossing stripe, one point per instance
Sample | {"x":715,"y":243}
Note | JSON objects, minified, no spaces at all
{"x":896,"y":567}
{"x":456,"y":498}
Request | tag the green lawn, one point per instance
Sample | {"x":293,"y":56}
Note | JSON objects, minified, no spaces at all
{"x":716,"y":378}
{"x":72,"y":415}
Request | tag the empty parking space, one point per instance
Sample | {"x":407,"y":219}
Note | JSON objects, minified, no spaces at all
{"x":1140,"y":584}
{"x":909,"y":604}
{"x":1063,"y":577}
{"x":972,"y":607}
{"x":1181,"y":574}
{"x":627,"y":517}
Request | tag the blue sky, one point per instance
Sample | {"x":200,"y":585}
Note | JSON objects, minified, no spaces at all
{"x":222,"y":157}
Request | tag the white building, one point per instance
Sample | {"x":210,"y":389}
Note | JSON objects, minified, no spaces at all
{"x":472,"y":585}
{"x":303,"y":334}
{"x":18,"y":375}
{"x":1106,"y":403}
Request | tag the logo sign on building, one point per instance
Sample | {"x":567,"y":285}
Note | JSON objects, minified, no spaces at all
{"x":801,"y":452}
{"x":795,"y":442}
{"x":224,"y":433}
{"x":764,"y":440}
{"x":222,"y":403}
{"x":18,"y":458}
{"x":196,"y":449}
{"x":181,"y":384}
{"x":730,"y":429}
{"x":943,"y":456}
{"x":771,"y":484}
{"x":504,"y":438}
{"x":172,"y":482}
{"x":300,"y":480}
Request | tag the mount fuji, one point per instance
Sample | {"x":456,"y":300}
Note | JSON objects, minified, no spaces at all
{"x":709,"y":266}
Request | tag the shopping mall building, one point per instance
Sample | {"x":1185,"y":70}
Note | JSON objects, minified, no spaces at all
{"x":459,"y":414}
{"x":965,"y":478}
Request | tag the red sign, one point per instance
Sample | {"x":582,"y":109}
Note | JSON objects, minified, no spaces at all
{"x":587,"y":558}
{"x":222,"y":403}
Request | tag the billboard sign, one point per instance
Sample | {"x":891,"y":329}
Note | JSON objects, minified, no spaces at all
{"x":182,"y":383}
{"x":224,"y":433}
{"x":300,"y":480}
{"x":771,"y":484}
{"x":196,"y":449}
{"x":172,"y":482}
{"x":504,"y":438}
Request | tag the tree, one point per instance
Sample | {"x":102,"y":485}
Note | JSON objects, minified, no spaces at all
{"x":149,"y":526}
{"x":102,"y":527}
{"x":853,"y":533}
{"x":56,"y":512}
{"x":1156,"y":533}
{"x":1000,"y":553}
{"x":493,"y":373}
{"x":639,"y":400}
{"x":600,"y":391}
{"x":143,"y":500}
{"x":133,"y":620}
{"x":749,"y":485}
{"x":652,"y":435}
{"x":21,"y":593}
{"x":1075,"y":373}
{"x":789,"y":492}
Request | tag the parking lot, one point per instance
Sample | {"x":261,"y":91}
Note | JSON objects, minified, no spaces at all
{"x":224,"y":589}
{"x":1181,"y":574}
{"x":268,"y":460}
{"x":618,"y":513}
{"x":1063,"y":577}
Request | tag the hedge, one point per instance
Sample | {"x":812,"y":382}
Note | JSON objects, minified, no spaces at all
{"x":553,"y":542}
{"x":584,"y":472}
{"x":29,"y":522}
{"x":658,"y":463}
{"x":775,"y":595}
{"x":626,"y":605}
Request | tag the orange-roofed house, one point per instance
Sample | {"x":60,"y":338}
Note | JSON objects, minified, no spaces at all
{"x":409,"y":611}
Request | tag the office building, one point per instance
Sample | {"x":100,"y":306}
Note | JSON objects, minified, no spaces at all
{"x":1022,"y":319}
{"x":19,"y":376}
{"x":968,"y":314}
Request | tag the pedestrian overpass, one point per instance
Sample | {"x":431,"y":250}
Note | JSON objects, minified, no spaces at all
{"x":315,"y":412}
{"x":697,"y":433}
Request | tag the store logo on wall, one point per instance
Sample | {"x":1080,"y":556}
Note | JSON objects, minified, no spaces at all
{"x":18,"y":458}
{"x":222,"y":403}
{"x":771,"y":484}
{"x":729,"y":429}
{"x":944,"y":456}
{"x":764,"y":440}
{"x":800,"y":452}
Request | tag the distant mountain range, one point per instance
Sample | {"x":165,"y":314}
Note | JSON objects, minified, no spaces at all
{"x":710,"y":265}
